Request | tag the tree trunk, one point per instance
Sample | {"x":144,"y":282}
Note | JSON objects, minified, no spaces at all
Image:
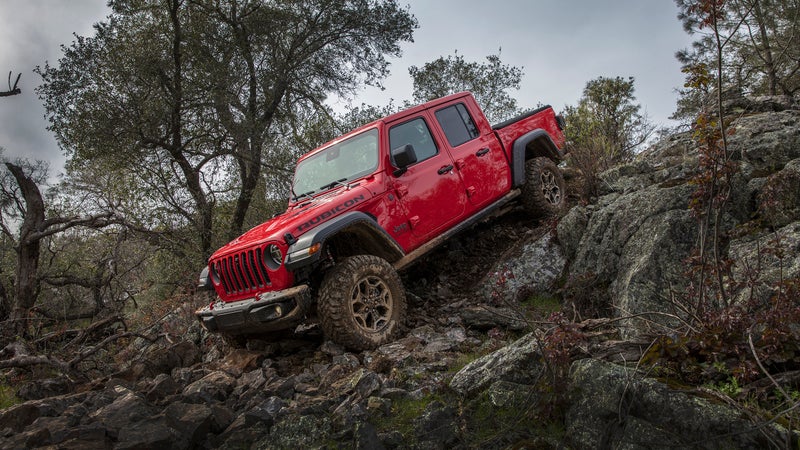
{"x":766,"y":49}
{"x":27,"y":286}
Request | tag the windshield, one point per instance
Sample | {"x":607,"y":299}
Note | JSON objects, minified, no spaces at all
{"x":339,"y":163}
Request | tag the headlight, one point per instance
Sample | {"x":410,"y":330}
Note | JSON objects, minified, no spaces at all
{"x":275,"y":257}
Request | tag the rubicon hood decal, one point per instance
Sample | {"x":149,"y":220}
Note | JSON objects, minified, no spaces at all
{"x":330,"y":213}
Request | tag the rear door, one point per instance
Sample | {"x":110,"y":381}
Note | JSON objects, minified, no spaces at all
{"x":476,"y":153}
{"x":430,"y":190}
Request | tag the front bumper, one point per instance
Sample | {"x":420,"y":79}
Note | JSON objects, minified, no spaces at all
{"x":270,"y":311}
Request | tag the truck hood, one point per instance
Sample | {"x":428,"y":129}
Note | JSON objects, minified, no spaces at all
{"x":300,"y":218}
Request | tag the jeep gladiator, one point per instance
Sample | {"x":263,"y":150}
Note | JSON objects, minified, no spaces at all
{"x":369,"y":203}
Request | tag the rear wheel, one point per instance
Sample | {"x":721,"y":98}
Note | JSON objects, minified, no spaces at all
{"x":361,"y":303}
{"x":543,"y":193}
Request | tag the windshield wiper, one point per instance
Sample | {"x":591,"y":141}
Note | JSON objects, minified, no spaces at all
{"x":304,"y":194}
{"x":333,"y":184}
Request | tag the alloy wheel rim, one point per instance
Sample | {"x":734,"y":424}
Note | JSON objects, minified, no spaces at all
{"x":550,"y":189}
{"x":371,"y":303}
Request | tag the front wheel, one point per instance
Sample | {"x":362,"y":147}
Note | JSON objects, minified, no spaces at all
{"x":543,"y":193}
{"x":361,"y":302}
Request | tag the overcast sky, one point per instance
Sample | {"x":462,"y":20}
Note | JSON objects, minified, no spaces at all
{"x":560,"y":45}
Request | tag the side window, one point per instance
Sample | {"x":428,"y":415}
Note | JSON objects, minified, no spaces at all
{"x":416,"y":133}
{"x":457,"y":124}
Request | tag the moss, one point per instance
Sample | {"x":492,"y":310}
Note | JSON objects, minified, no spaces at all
{"x":517,"y":424}
{"x":8,"y":397}
{"x":405,"y":412}
{"x":542,"y":305}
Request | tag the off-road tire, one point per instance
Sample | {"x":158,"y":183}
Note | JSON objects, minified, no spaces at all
{"x":361,"y":303}
{"x":543,"y":193}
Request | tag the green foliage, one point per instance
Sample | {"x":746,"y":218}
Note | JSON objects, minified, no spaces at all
{"x":181,"y":98}
{"x":489,"y":82}
{"x":542,"y":305}
{"x":762,"y":40}
{"x":8,"y":397}
{"x":606,"y":128}
{"x":404,"y":412}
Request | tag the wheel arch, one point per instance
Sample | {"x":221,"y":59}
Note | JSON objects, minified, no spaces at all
{"x":532,"y":144}
{"x":350,"y":234}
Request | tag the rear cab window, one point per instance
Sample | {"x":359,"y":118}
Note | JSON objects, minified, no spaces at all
{"x":457,"y":124}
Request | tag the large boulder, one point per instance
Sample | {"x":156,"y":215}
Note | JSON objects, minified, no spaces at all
{"x":526,"y":269}
{"x":767,"y":141}
{"x":617,"y":407}
{"x":520,"y":362}
{"x":634,"y":240}
{"x":634,"y":244}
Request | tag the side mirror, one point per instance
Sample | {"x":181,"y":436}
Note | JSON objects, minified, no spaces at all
{"x":402,"y":157}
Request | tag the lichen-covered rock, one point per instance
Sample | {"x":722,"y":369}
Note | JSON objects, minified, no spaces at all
{"x":635,"y":244}
{"x":297,"y":432}
{"x":767,"y":141}
{"x":530,"y":268}
{"x":766,"y":259}
{"x":612,"y":406}
{"x":519,"y":362}
{"x":437,"y":426}
{"x":779,"y":196}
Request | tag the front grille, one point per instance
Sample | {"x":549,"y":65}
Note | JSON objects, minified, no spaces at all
{"x":242,"y":272}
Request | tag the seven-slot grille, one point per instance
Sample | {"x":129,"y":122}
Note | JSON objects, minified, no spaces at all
{"x":242,"y":272}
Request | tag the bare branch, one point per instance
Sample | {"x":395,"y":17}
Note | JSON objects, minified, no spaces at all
{"x":12,"y":90}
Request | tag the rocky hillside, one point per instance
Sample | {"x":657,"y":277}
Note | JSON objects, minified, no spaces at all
{"x":520,"y":335}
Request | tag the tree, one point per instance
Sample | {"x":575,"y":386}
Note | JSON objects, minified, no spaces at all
{"x":21,"y":201}
{"x":489,"y":82}
{"x":761,"y":39}
{"x":605,"y":128}
{"x":184,"y":95}
{"x":607,"y":112}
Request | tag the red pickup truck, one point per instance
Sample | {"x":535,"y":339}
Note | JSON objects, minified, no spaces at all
{"x":369,"y":203}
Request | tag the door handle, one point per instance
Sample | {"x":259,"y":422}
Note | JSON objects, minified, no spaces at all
{"x":482,"y":152}
{"x":445,"y":169}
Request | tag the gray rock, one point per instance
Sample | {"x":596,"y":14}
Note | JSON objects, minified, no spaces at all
{"x":366,"y":437}
{"x":17,"y":417}
{"x":157,"y":359}
{"x":570,"y":230}
{"x":765,"y":259}
{"x":616,"y":407}
{"x":437,"y":427}
{"x":152,"y":433}
{"x":127,"y":408}
{"x":49,"y":387}
{"x":367,"y":384}
{"x":162,"y":386}
{"x":190,"y":421}
{"x":484,"y":317}
{"x":504,"y":394}
{"x":779,"y":196}
{"x":213,"y":387}
{"x":297,"y":432}
{"x":530,"y":268}
{"x":519,"y":362}
{"x":767,"y":141}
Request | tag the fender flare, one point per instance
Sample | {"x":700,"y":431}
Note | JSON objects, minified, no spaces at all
{"x":529,"y":145}
{"x":298,"y":255}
